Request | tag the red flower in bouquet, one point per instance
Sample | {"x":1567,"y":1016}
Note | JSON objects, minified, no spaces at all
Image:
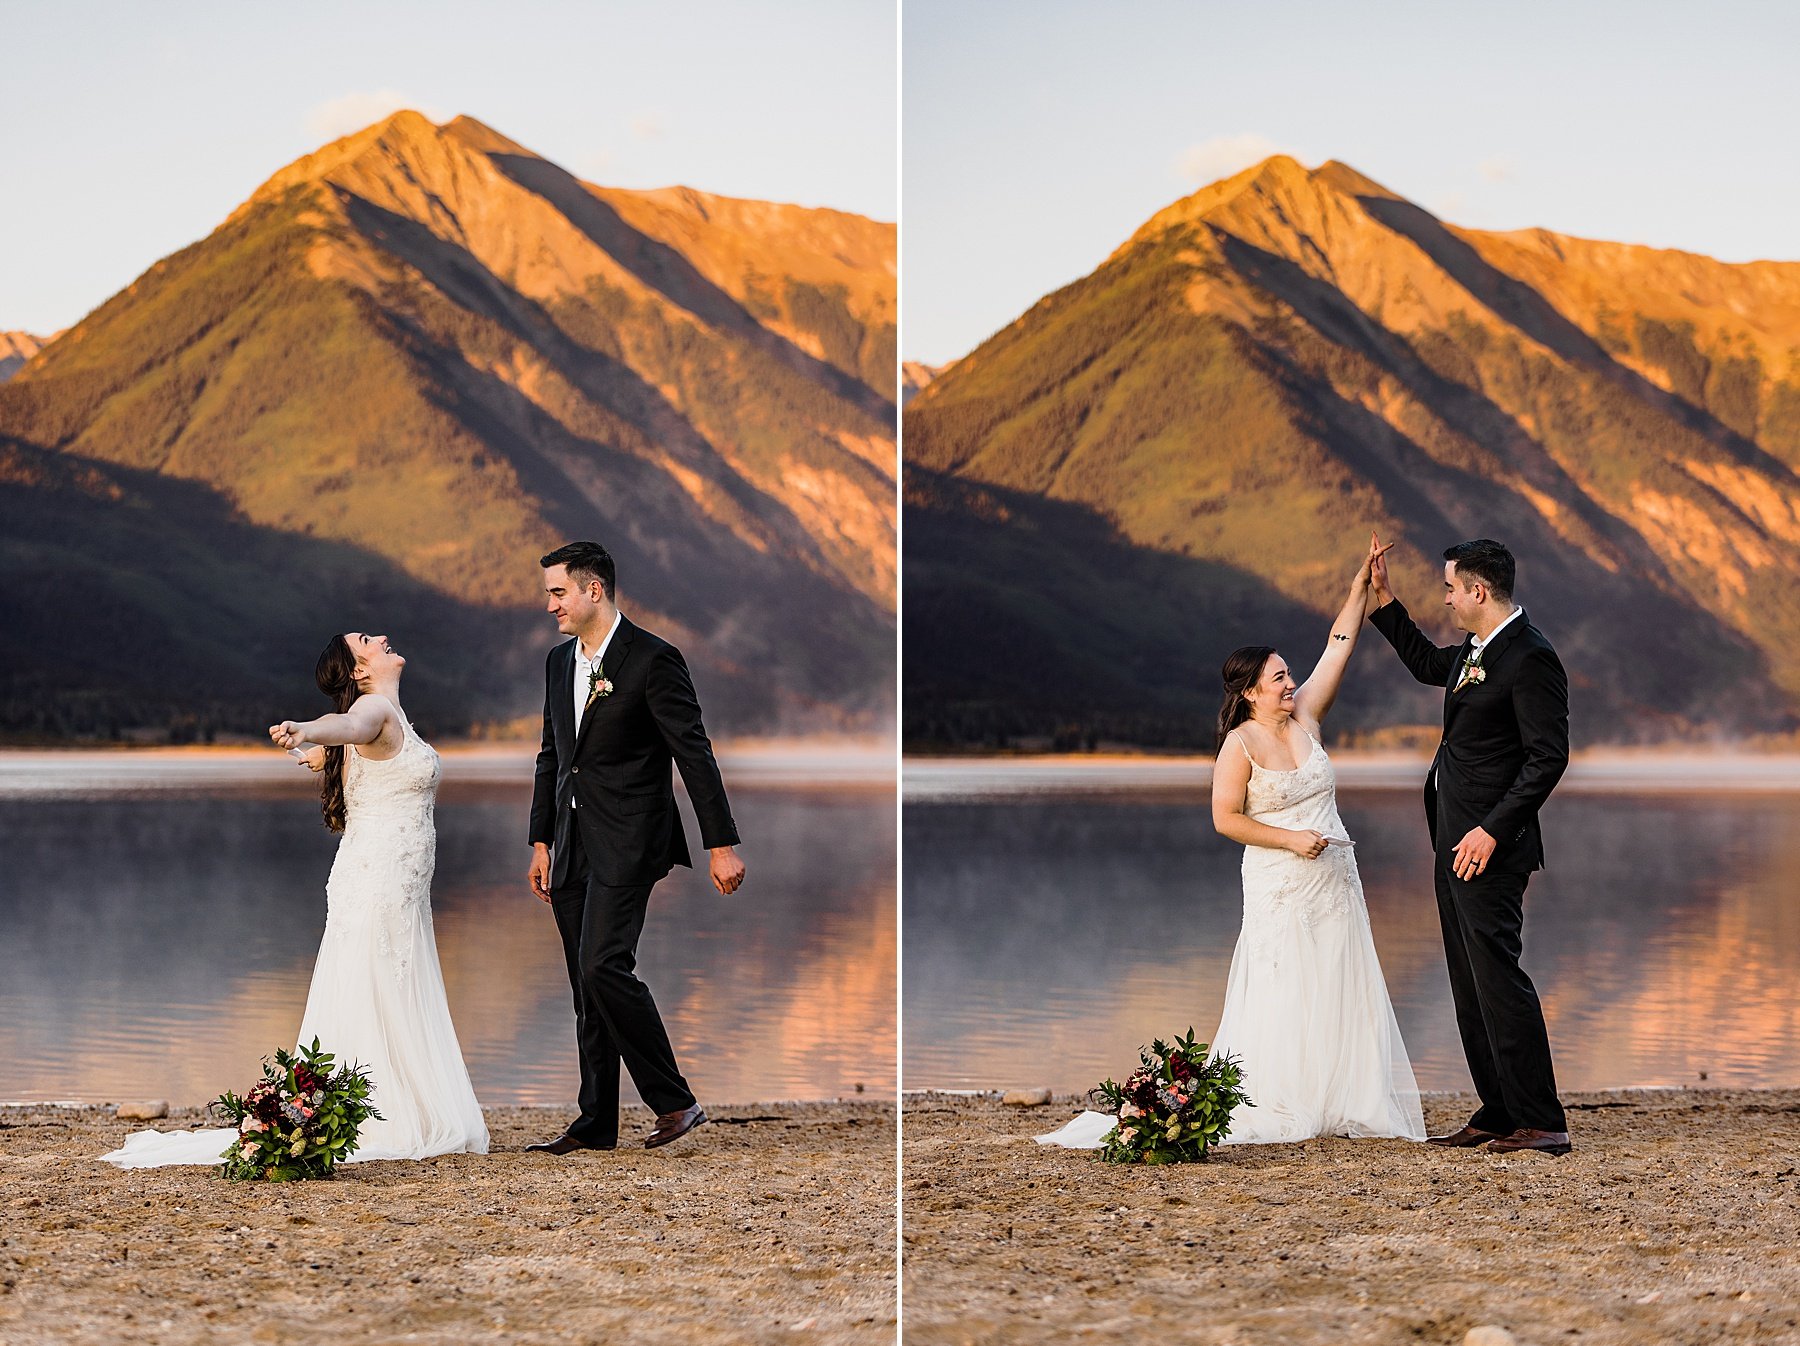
{"x":1141,"y":1090}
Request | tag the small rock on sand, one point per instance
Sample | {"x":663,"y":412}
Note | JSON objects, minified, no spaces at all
{"x":143,"y":1112}
{"x":1026,"y":1098}
{"x":1489,"y":1335}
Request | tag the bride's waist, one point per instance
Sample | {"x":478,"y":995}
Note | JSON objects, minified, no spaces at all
{"x":403,"y":828}
{"x":387,"y":810}
{"x":1317,"y":820}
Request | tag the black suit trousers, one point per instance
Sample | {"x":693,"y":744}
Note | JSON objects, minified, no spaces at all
{"x":615,"y":1015}
{"x":1497,"y":1009}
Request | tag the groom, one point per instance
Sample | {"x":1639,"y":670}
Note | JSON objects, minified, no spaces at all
{"x":618,"y":706}
{"x":1505,"y":745}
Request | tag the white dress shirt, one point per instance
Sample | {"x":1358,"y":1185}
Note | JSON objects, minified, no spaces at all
{"x":585,"y":666}
{"x":1479,"y":643}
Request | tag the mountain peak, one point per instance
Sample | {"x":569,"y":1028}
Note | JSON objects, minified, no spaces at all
{"x":1280,"y":186}
{"x":16,"y":348}
{"x":405,"y":137}
{"x":26,"y":344}
{"x":478,"y":135}
{"x":1340,"y":176}
{"x":1276,"y":168}
{"x":1275,"y":172}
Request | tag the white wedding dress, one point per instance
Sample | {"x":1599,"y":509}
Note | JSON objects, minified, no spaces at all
{"x":1306,"y":1009}
{"x":377,"y":997}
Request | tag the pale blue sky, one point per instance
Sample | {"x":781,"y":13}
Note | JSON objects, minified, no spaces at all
{"x":133,"y":128}
{"x":1038,"y":135}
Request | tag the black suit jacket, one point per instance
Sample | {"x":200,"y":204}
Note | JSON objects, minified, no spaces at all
{"x":1506,"y":739}
{"x":612,"y":780}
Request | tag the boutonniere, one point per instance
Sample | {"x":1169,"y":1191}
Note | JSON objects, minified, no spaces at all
{"x":598,"y":685}
{"x":1472,"y":671}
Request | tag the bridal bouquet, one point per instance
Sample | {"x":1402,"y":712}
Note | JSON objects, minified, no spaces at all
{"x":1175,"y":1105}
{"x":299,"y":1120}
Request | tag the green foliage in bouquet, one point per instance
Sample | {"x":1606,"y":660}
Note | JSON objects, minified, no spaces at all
{"x":1174,"y":1107}
{"x":299,"y":1120}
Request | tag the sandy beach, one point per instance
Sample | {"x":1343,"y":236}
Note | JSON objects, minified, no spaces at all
{"x":774,"y":1223}
{"x":1675,"y":1220}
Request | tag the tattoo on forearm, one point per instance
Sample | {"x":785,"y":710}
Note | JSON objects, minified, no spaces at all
{"x":1336,"y":636}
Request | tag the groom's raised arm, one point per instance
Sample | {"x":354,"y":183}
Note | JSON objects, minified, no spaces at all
{"x":1430,"y":664}
{"x":543,"y":784}
{"x":676,"y":710}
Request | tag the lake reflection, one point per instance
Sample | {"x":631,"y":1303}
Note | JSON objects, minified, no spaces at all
{"x":1047,"y":937}
{"x":158,"y":945}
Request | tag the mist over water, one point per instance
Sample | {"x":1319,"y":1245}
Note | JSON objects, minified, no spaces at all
{"x":157,"y":944}
{"x":1048,"y":936}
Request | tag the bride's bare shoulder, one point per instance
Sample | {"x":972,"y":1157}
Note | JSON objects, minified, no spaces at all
{"x":388,"y":737}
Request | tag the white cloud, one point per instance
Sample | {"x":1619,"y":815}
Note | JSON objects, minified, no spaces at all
{"x":647,"y":126}
{"x":353,"y":111}
{"x":1498,"y":170}
{"x":1221,"y":156}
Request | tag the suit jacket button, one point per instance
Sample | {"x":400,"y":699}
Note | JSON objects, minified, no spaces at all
{"x":574,"y":771}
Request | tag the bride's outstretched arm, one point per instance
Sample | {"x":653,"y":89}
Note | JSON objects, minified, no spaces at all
{"x":1315,"y":695}
{"x":362,"y":723}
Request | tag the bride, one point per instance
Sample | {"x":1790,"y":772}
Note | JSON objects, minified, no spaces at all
{"x":377,"y":997}
{"x":1306,"y":1009}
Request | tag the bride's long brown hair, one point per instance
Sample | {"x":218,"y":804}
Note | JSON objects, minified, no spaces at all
{"x":1242,"y":671}
{"x":336,"y":676}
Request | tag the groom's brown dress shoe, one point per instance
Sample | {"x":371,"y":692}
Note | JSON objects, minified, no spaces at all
{"x":1547,"y":1142}
{"x":564,"y":1144}
{"x":674,"y":1125}
{"x":1464,"y":1139}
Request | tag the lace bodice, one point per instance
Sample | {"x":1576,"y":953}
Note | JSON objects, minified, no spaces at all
{"x":1297,"y":798}
{"x":1279,"y":885}
{"x":398,"y":791}
{"x":389,"y":849}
